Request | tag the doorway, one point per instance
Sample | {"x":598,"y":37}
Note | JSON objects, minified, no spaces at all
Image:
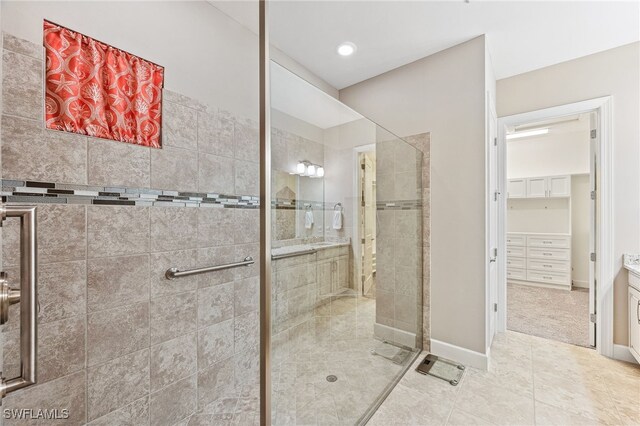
{"x":548,"y":243}
{"x":367,"y":221}
{"x":548,"y":221}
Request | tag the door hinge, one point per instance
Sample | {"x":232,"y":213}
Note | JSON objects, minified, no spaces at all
{"x":495,"y":195}
{"x":593,"y":195}
{"x":592,"y":256}
{"x":495,"y":307}
{"x":593,"y":318}
{"x":495,"y":141}
{"x":594,"y":133}
{"x":495,"y":252}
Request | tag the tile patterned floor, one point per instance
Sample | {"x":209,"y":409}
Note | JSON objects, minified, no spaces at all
{"x":531,"y":381}
{"x":550,"y":313}
{"x":338,"y":341}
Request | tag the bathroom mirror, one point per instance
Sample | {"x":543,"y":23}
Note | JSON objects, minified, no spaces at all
{"x":298,"y":206}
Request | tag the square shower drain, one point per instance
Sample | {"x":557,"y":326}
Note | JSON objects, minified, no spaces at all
{"x":441,"y":368}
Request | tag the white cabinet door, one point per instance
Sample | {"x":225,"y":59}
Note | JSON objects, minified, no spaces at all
{"x":634,"y":322}
{"x":537,"y":187}
{"x":559,"y":186}
{"x":516,"y":188}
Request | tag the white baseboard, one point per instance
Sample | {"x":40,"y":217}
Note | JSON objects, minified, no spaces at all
{"x":463,"y":356}
{"x":395,"y":335}
{"x":622,"y":353}
{"x":581,"y":284}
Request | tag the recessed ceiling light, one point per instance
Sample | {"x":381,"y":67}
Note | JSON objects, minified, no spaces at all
{"x":346,"y":49}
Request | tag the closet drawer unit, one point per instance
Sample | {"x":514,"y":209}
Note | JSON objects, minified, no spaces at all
{"x":516,"y":274}
{"x":548,"y":253}
{"x":516,"y":252}
{"x":548,"y":277}
{"x":516,"y":262}
{"x":516,"y":240}
{"x":557,"y":266}
{"x":549,"y":241}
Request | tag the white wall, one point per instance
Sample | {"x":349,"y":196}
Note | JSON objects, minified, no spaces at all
{"x":614,"y":72}
{"x":444,"y":94}
{"x":542,"y":215}
{"x":549,"y":155}
{"x":580,"y":223}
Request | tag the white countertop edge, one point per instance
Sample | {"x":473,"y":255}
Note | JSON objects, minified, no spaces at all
{"x":634,"y":269}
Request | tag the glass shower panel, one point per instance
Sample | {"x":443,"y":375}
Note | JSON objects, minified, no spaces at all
{"x":119,"y":342}
{"x":346,"y":257}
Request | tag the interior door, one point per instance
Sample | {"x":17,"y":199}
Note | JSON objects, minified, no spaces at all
{"x":494,"y":194}
{"x":593,"y":263}
{"x":368,"y":223}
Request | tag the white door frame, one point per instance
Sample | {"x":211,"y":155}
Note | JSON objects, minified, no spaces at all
{"x":604,"y":226}
{"x":357,"y":254}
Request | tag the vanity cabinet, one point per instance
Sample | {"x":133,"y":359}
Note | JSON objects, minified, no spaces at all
{"x":634,"y":315}
{"x":540,"y":187}
{"x":333,"y":271}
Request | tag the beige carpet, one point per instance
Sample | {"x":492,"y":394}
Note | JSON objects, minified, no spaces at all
{"x":553,"y":314}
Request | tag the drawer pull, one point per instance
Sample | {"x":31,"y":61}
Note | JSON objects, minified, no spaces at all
{"x":547,"y":278}
{"x":548,"y":266}
{"x":547,"y":242}
{"x":547,"y":254}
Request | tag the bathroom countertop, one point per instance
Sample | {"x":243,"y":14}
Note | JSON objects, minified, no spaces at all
{"x":631,"y":263}
{"x":302,"y":248}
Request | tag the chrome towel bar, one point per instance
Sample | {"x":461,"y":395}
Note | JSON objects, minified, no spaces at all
{"x":173,"y":273}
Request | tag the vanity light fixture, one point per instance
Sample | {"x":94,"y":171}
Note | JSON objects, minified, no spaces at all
{"x":346,"y":49}
{"x":306,"y":168}
{"x":527,"y":133}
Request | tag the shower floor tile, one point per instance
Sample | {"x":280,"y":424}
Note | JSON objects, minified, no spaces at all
{"x":341,"y":344}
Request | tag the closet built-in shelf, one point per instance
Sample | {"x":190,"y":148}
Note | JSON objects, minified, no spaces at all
{"x":539,"y":187}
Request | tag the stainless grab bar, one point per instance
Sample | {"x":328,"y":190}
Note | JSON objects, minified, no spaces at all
{"x":173,"y":273}
{"x":27,"y":297}
{"x":292,"y":254}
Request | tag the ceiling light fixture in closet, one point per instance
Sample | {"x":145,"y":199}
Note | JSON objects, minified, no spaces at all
{"x":527,"y":133}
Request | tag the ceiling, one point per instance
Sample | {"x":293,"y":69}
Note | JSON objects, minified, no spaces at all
{"x":522,"y":35}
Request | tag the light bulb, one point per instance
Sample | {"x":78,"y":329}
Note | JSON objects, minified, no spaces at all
{"x":311,"y":170}
{"x":320,"y":172}
{"x":300,"y":168}
{"x":346,"y":49}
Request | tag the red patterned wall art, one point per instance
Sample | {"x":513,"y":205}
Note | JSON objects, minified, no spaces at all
{"x":97,"y":90}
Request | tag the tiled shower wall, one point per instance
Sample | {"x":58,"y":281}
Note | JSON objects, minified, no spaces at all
{"x":118,"y":343}
{"x":399,"y":276}
{"x":422,"y":142}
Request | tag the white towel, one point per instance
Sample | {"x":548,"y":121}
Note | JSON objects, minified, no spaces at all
{"x":337,"y":219}
{"x":308,"y":219}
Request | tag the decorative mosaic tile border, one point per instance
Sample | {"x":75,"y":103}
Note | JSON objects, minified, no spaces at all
{"x":286,"y":204}
{"x":20,"y":191}
{"x":399,"y":205}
